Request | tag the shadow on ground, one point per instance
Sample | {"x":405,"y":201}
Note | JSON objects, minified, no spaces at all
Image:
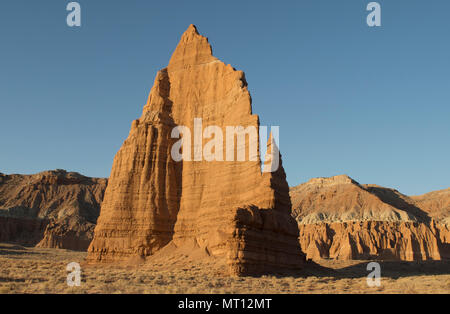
{"x":391,"y":269}
{"x":15,"y":249}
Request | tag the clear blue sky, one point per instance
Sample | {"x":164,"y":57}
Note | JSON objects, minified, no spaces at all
{"x":349,"y":99}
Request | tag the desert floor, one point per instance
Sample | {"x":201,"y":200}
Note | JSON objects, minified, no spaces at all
{"x":36,"y":270}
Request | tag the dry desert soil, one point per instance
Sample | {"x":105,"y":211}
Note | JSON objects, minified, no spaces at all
{"x":40,"y":270}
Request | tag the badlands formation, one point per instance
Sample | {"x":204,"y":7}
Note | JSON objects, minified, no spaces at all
{"x":340,"y":219}
{"x":229,"y":210}
{"x":54,"y":209}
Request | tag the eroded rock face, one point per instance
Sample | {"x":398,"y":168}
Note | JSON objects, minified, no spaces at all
{"x":74,"y":233}
{"x":340,"y":199}
{"x":370,"y":240}
{"x":26,"y":231}
{"x":229,"y":209}
{"x":436,"y":204}
{"x":341,"y":219}
{"x":55,"y":209}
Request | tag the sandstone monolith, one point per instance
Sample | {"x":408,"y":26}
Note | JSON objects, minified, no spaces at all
{"x":228,"y":209}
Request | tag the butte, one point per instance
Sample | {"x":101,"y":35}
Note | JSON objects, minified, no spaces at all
{"x":230,"y":210}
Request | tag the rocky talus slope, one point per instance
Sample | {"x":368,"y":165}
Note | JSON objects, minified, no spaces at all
{"x":342,"y":219}
{"x":229,"y":210}
{"x":55,"y":209}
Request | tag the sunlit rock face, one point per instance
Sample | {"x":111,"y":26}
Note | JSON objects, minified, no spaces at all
{"x":339,"y":218}
{"x":230,"y":210}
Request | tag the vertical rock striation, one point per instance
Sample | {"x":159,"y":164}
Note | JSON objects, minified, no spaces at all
{"x":228,"y":209}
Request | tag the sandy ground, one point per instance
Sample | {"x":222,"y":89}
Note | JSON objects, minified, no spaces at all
{"x":34,"y":270}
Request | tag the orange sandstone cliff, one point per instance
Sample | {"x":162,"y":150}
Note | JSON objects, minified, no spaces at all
{"x":227,"y":209}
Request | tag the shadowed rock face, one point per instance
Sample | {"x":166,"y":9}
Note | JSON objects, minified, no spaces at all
{"x":339,"y":218}
{"x":228,"y":209}
{"x":56,"y":209}
{"x":436,"y":204}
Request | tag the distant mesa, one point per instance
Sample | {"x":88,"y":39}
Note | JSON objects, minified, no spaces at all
{"x":342,"y":219}
{"x":55,"y":209}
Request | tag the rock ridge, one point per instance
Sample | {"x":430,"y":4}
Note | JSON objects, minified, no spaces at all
{"x":54,"y":208}
{"x":342,"y":219}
